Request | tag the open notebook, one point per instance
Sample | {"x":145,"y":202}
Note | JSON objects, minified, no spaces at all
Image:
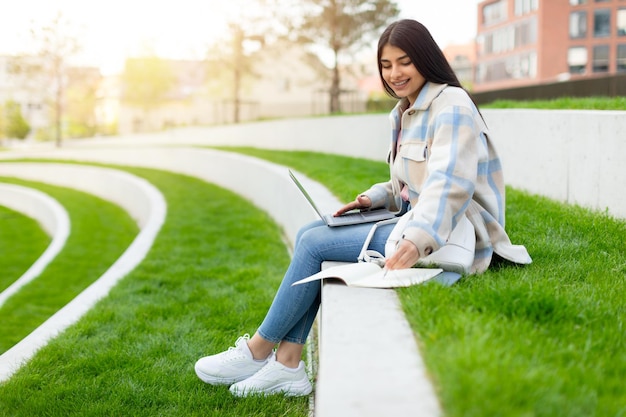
{"x":372,"y":275}
{"x":353,"y":217}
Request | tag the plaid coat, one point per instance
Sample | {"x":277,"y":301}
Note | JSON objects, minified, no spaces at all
{"x":442,"y":155}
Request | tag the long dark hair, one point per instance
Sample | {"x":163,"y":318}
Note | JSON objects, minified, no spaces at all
{"x":414,"y":39}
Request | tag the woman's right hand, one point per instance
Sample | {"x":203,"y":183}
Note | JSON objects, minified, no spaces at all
{"x":361,"y":202}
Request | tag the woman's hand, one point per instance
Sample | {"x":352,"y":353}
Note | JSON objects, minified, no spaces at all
{"x":405,"y":256}
{"x":361,"y":202}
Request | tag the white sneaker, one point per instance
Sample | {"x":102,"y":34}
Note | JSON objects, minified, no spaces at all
{"x":275,"y":378}
{"x":233,"y":365}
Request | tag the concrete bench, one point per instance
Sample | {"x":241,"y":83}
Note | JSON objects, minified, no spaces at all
{"x":138,"y":197}
{"x":369,"y":363}
{"x":52,"y":218}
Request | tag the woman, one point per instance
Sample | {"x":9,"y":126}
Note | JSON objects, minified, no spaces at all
{"x":443,"y":169}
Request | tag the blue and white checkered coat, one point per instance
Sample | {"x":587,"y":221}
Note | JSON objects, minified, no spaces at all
{"x":451,"y":169}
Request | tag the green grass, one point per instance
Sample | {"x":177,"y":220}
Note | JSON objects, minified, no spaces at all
{"x":206,"y":280}
{"x":565,"y":103}
{"x":541,"y":340}
{"x":100,"y":233}
{"x":344,"y":176}
{"x":22,"y":242}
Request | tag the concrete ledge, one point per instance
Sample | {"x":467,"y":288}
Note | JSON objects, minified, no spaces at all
{"x":369,"y":360}
{"x":137,"y":196}
{"x":52,"y":217}
{"x":369,"y":363}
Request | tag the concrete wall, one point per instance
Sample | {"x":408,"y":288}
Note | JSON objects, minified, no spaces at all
{"x":578,"y":157}
{"x":571,"y":156}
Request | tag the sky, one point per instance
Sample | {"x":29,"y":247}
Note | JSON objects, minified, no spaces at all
{"x":112,"y":30}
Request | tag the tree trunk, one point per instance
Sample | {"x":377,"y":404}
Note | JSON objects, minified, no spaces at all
{"x":335,"y":91}
{"x":58,"y":110}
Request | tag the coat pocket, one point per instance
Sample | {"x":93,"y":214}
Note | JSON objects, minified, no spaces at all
{"x":415,"y":151}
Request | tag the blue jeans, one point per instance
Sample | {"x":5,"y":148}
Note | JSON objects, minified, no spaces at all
{"x":293,"y":310}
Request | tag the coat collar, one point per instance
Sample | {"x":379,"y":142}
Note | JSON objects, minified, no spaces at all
{"x":428,"y":93}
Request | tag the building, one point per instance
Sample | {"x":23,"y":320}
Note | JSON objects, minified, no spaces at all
{"x":28,"y":91}
{"x":462,"y":59}
{"x":529,"y":42}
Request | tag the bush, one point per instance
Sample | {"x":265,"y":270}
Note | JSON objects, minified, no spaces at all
{"x":15,"y":124}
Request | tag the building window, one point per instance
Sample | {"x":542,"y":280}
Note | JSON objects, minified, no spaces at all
{"x":508,"y":38}
{"x":602,"y":23}
{"x":494,"y":13}
{"x":621,"y":22}
{"x":523,"y":7}
{"x":577,"y":59}
{"x":577,"y":2}
{"x":578,"y":25}
{"x":602,"y":1}
{"x":601,"y":58}
{"x":621,"y":58}
{"x":513,"y":67}
{"x":526,"y":33}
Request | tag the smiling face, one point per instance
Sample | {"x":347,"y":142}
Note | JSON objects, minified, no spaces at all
{"x":400,"y":74}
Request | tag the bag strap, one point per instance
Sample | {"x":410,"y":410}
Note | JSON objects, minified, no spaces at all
{"x":373,"y":256}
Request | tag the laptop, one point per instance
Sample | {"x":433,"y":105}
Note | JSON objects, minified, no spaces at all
{"x":351,"y":217}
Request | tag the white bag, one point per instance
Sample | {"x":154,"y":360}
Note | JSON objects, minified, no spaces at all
{"x":457,"y":255}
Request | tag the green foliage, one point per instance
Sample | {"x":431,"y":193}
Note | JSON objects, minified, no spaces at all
{"x":14,"y":124}
{"x":565,"y":103}
{"x":81,"y":102}
{"x":342,"y":27}
{"x":146,"y":81}
{"x":380,"y":103}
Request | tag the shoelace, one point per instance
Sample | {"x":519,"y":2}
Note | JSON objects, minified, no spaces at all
{"x":245,"y":337}
{"x":234,"y":351}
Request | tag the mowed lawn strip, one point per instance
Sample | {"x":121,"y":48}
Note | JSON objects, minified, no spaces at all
{"x":22,"y":242}
{"x":544,"y":339}
{"x":210,"y":277}
{"x":100,"y":233}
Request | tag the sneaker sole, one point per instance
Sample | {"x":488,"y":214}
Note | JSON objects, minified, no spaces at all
{"x":289,"y":389}
{"x":215,"y":380}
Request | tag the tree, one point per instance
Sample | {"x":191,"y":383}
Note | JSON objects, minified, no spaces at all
{"x":248,"y":30}
{"x":56,"y":46}
{"x":81,"y":102}
{"x":15,"y":125}
{"x":146,"y":82}
{"x":341,"y":26}
{"x":241,"y":64}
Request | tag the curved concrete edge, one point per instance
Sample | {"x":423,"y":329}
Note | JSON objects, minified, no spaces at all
{"x":109,"y":184}
{"x":51,"y":215}
{"x":265,"y":184}
{"x":152,"y":206}
{"x":356,"y":377}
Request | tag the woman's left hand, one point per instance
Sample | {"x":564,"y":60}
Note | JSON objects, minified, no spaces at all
{"x":405,"y":256}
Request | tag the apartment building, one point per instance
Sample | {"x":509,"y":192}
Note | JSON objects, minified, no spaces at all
{"x":529,"y":42}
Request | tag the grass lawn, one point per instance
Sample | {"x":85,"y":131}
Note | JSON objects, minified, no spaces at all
{"x":100,"y":233}
{"x":204,"y":283}
{"x":22,"y":242}
{"x":564,"y":103}
{"x":541,"y":340}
